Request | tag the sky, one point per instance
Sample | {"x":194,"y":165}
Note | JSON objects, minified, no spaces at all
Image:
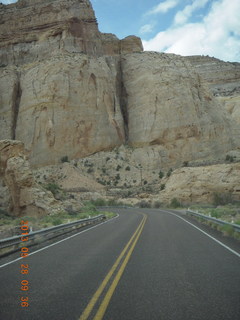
{"x":185,"y":27}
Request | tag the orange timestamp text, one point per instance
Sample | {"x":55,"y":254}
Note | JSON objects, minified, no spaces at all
{"x":24,"y":266}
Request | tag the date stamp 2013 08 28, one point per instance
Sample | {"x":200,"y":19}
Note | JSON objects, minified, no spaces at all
{"x":24,"y":267}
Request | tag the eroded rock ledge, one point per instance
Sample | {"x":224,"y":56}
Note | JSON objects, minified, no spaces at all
{"x":22,"y":196}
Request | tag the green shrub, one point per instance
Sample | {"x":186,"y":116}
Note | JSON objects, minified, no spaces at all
{"x":229,"y":158}
{"x":157,"y":204}
{"x":175,"y":203}
{"x":112,"y":202}
{"x":162,"y":186}
{"x":127,"y":168}
{"x":169,"y":172}
{"x":56,"y":221}
{"x":4,"y":213}
{"x":90,"y":170}
{"x":215,"y":213}
{"x":144,"y":204}
{"x":161,"y":174}
{"x":53,"y":187}
{"x":222,"y":198}
{"x":64,"y":159}
{"x":227,"y":230}
{"x":99,"y":202}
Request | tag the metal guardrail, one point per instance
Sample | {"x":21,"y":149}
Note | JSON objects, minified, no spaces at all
{"x":48,"y":233}
{"x":113,"y":207}
{"x":236,"y":227}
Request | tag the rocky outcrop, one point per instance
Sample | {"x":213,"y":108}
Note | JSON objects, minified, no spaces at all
{"x":60,"y":80}
{"x":223,"y":79}
{"x":198,"y":185}
{"x":170,"y":106}
{"x":25,"y":196}
{"x":67,"y":90}
{"x":35,"y":30}
{"x":73,"y":107}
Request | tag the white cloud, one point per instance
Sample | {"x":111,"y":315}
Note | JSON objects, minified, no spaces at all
{"x":218,"y":34}
{"x":182,"y":16}
{"x":147,"y":28}
{"x":164,"y":7}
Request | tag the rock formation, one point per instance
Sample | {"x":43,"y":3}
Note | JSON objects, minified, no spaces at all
{"x":22,"y":196}
{"x":198,"y":185}
{"x":60,"y":93}
{"x":67,"y":90}
{"x":223,"y":79}
{"x":169,"y":105}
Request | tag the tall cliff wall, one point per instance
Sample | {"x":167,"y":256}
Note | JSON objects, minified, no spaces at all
{"x":223,"y":79}
{"x":68,"y":90}
{"x":59,"y":88}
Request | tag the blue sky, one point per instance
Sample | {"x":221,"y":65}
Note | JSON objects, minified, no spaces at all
{"x":185,"y":27}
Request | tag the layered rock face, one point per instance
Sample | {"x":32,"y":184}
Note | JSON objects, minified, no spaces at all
{"x":59,"y":92}
{"x":198,"y":185}
{"x":22,"y":195}
{"x":223,"y":79}
{"x":170,"y":106}
{"x":68,"y":90}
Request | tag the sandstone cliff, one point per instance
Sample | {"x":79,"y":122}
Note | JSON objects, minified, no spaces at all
{"x":223,"y":79}
{"x":198,"y":185}
{"x":22,"y":196}
{"x":59,"y":92}
{"x":67,"y":90}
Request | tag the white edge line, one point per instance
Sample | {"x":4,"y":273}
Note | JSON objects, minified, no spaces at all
{"x":53,"y":244}
{"x":219,"y":242}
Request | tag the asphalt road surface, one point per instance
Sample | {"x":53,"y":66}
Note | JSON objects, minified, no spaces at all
{"x":145,"y":264}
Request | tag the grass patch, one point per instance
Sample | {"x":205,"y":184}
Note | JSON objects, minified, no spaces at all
{"x":88,"y":211}
{"x":226,"y":230}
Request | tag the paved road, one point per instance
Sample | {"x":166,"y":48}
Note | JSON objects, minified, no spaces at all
{"x":152,"y":266}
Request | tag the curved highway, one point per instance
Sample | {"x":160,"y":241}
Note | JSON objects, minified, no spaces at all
{"x":145,"y":264}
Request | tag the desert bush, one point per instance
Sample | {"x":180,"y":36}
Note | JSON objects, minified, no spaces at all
{"x":229,"y":158}
{"x":227,"y":230}
{"x":53,"y":187}
{"x":56,"y":221}
{"x":185,"y":164}
{"x":175,"y":203}
{"x":144,"y":204}
{"x":64,"y":159}
{"x":161,"y":174}
{"x":222,"y":198}
{"x":157,"y":204}
{"x":90,"y":170}
{"x":4,"y":213}
{"x":169,"y":172}
{"x":99,"y":202}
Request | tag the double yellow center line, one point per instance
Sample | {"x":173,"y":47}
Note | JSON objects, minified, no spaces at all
{"x":121,"y":262}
